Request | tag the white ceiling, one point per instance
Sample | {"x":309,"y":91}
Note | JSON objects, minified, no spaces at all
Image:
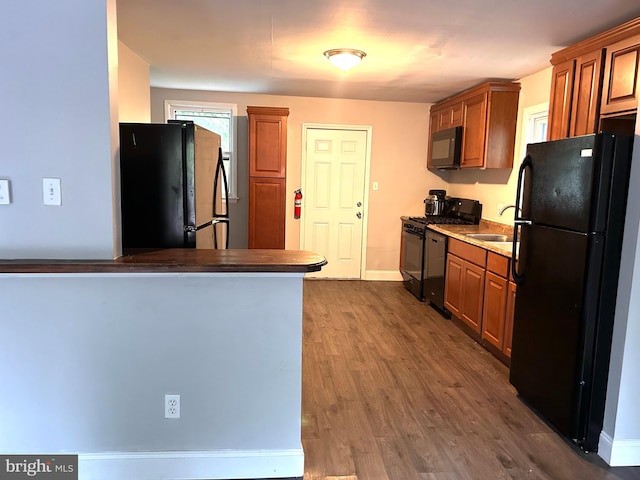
{"x":417,"y":50}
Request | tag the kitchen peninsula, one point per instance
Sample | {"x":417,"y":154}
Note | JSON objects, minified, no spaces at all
{"x":96,"y":345}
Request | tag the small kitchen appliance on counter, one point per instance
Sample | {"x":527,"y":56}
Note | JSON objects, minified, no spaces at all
{"x":424,"y":254}
{"x":434,"y":204}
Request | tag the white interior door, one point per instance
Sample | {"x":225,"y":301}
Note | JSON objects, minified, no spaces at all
{"x":333,"y":203}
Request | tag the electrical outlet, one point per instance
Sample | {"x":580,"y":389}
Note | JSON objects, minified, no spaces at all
{"x":500,"y":207}
{"x":51,"y":194}
{"x":172,"y":406}
{"x":5,"y":196}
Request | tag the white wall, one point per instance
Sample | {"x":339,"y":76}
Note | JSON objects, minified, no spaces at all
{"x":620,"y":439}
{"x":85,"y":362}
{"x":134,"y":95}
{"x":58,"y":62}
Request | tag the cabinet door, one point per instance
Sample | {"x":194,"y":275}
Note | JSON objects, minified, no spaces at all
{"x":473,"y":138}
{"x":267,"y":145}
{"x":495,"y":302}
{"x":456,"y":115}
{"x":472,"y":295}
{"x":266,"y":212}
{"x":508,"y":321}
{"x":444,"y":119}
{"x":560,"y":101}
{"x":450,"y":116}
{"x":620,"y":92}
{"x":433,"y":128}
{"x":587,"y":88}
{"x":453,"y":284}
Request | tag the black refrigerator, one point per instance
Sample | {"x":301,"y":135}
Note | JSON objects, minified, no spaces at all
{"x":173,"y":187}
{"x":571,"y":201}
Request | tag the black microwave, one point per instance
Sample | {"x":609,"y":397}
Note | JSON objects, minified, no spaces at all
{"x":446,"y":148}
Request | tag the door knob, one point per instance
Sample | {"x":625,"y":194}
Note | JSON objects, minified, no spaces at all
{"x":359,"y":215}
{"x":359,"y":204}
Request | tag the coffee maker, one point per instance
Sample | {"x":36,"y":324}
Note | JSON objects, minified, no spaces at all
{"x":434,"y":203}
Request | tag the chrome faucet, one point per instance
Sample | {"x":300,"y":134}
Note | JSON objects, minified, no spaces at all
{"x":502,"y":210}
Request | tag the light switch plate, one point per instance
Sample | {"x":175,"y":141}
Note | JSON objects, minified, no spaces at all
{"x":51,"y":194}
{"x":5,"y":195}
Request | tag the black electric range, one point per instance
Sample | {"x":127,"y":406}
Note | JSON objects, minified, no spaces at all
{"x":424,"y":252}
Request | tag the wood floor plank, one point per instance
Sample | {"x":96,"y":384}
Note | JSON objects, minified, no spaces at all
{"x":393,"y":391}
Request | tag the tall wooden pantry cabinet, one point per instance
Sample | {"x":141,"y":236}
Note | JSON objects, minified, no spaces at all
{"x":267,"y":176}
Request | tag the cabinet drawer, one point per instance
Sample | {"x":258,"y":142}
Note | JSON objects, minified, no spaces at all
{"x":468,"y":252}
{"x":498,"y":264}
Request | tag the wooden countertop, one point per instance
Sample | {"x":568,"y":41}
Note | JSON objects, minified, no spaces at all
{"x":179,"y":260}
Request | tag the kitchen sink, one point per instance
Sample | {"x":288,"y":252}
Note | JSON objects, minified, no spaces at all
{"x":490,"y":237}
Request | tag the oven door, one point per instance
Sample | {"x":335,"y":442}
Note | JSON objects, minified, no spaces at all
{"x":412,"y":262}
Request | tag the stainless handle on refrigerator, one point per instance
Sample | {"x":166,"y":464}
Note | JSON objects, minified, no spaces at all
{"x":214,"y":221}
{"x":518,"y":222}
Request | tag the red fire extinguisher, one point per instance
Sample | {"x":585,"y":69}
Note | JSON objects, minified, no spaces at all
{"x":297,"y":204}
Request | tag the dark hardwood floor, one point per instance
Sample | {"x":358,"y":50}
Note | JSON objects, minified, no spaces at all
{"x":393,"y":391}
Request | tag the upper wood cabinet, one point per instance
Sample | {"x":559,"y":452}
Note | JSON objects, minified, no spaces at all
{"x":267,"y":176}
{"x":620,"y":93}
{"x":488,"y":115}
{"x":267,"y":141}
{"x":587,"y":87}
{"x":594,"y":79}
{"x":473,"y":137}
{"x":560,"y":101}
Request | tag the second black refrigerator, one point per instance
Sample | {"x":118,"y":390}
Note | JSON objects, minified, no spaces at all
{"x":571,"y":203}
{"x":173,"y":187}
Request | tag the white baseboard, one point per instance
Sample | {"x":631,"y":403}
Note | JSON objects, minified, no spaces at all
{"x":619,"y":453}
{"x":383,"y":275}
{"x":217,"y":464}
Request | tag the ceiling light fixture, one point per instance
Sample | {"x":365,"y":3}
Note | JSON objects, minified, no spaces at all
{"x":345,"y":58}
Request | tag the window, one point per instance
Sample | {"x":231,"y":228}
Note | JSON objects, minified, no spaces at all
{"x":219,"y":118}
{"x":536,"y":121}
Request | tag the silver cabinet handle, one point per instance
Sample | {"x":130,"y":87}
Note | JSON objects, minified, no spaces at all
{"x":359,"y":215}
{"x":359,"y":204}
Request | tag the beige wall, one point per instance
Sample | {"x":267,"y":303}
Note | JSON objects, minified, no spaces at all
{"x":133,"y":86}
{"x":499,"y":186}
{"x":398,"y":157}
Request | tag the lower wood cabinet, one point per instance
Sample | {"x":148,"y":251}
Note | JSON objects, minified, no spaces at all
{"x":479,"y":293}
{"x":508,"y":321}
{"x":267,"y":197}
{"x":499,"y":299}
{"x":464,"y":283}
{"x":494,"y":314}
